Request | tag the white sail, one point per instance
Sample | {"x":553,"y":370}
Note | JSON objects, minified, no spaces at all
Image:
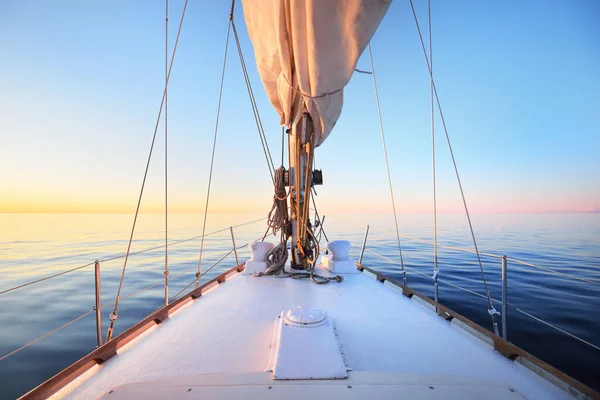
{"x":297,"y":69}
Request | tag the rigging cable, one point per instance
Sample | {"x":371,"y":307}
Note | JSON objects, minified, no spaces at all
{"x":435,"y":246}
{"x":278,"y":218}
{"x":45,"y":335}
{"x":318,"y":218}
{"x":116,"y":257}
{"x":114,"y":315}
{"x":212,"y":159}
{"x":107,"y":304}
{"x":166,"y":271}
{"x":367,"y":249}
{"x":259,"y":125}
{"x":387,"y":166}
{"x":496,"y":301}
{"x":491,"y":310}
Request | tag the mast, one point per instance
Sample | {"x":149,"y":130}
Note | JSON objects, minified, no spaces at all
{"x":304,"y":79}
{"x":300,"y":180}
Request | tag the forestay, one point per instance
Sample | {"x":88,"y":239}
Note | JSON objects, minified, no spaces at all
{"x":306,"y":52}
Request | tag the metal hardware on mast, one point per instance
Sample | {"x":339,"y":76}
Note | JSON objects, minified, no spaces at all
{"x":300,"y":155}
{"x":362,"y":251}
{"x":504,"y":296}
{"x":98,"y":306}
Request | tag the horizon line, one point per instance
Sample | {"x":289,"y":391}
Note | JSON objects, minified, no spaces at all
{"x":597,"y":211}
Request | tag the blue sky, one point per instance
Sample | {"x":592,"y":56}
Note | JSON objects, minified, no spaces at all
{"x":81,"y":85}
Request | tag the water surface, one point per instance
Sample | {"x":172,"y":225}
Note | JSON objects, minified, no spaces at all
{"x":37,"y":245}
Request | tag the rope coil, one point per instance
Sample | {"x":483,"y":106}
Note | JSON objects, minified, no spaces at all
{"x":278,"y":218}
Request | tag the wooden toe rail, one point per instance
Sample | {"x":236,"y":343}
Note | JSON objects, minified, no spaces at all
{"x":109,"y":349}
{"x":504,"y":347}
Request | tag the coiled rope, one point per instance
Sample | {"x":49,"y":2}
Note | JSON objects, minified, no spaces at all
{"x":278,"y":216}
{"x":276,"y":258}
{"x":278,"y":220}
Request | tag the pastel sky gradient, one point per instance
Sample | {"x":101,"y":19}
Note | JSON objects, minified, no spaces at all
{"x":80,"y":87}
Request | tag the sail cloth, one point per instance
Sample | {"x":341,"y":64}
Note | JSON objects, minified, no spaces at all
{"x":306,"y":52}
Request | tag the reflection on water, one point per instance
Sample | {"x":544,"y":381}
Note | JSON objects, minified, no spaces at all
{"x":36,"y":245}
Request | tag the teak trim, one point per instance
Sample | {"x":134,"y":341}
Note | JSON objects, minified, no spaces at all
{"x":501,"y":345}
{"x":109,"y":349}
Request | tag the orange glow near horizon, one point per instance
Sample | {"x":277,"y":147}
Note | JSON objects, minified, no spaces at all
{"x":227,"y":206}
{"x":95,"y":207}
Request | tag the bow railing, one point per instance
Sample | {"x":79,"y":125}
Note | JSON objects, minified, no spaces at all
{"x":98,"y":306}
{"x":503,"y":260}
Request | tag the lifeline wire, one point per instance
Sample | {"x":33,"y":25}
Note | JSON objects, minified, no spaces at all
{"x":496,"y":301}
{"x":150,"y":249}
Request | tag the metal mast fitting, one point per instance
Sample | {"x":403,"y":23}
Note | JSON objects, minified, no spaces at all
{"x":300,"y":178}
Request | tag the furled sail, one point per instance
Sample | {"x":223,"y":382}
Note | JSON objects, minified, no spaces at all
{"x":306,"y":52}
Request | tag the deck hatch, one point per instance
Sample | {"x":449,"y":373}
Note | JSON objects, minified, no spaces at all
{"x":305,"y":346}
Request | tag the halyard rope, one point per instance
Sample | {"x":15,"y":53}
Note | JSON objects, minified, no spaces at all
{"x":259,"y":126}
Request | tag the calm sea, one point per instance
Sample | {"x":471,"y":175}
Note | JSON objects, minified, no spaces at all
{"x":35,"y":246}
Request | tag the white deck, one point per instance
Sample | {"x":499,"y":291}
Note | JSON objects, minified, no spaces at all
{"x":229,"y":331}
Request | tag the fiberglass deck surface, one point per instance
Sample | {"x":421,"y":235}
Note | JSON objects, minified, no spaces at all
{"x":229,"y":330}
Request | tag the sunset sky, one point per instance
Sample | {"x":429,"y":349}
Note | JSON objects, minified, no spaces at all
{"x":80,"y":87}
